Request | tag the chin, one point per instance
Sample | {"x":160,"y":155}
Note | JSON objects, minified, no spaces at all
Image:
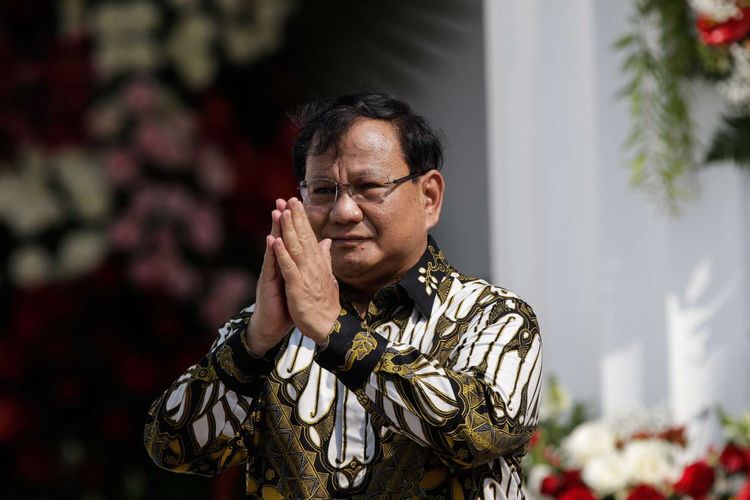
{"x":350,"y":265}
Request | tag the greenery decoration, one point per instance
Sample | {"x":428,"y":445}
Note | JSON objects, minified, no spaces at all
{"x":670,"y":44}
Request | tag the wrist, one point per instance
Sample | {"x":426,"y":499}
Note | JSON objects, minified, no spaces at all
{"x":255,"y":344}
{"x":322,"y":344}
{"x":322,"y":328}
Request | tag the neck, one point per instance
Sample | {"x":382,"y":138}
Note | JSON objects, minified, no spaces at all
{"x":362,"y":292}
{"x":360,"y":298}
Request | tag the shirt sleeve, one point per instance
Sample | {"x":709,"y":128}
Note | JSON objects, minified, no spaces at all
{"x":204,"y":422}
{"x":478,"y":405}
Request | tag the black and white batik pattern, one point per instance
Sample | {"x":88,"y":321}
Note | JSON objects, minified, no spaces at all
{"x":433,"y":394}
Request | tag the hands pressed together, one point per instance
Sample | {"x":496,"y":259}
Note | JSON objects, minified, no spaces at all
{"x":296,"y":285}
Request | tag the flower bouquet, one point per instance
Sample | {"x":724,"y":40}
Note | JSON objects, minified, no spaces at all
{"x":637,"y":458}
{"x":672,"y":43}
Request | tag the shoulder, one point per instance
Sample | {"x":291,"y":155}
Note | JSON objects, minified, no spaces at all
{"x":486,"y":296}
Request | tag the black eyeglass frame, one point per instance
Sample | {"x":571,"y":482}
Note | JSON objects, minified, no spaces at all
{"x":396,"y":182}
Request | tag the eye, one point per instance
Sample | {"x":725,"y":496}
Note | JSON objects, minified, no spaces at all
{"x":323,"y":189}
{"x":368,"y":185}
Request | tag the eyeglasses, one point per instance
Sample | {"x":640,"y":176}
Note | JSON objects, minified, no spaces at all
{"x":321,"y":192}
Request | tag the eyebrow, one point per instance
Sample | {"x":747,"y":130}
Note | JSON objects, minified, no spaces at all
{"x":361,"y":173}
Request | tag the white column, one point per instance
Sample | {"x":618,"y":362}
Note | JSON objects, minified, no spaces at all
{"x":543,"y":173}
{"x":637,"y":308}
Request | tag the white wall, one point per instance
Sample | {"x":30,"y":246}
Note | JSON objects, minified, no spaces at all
{"x":454,"y":100}
{"x":637,"y":308}
{"x":446,"y":84}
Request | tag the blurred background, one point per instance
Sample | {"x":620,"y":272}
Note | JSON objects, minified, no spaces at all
{"x":142,"y":144}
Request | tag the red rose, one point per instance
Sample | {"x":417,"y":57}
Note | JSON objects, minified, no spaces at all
{"x":696,"y":480}
{"x":644,"y":492}
{"x":551,"y":485}
{"x":577,"y":493}
{"x":734,"y":459}
{"x":744,"y":493}
{"x":557,"y":484}
{"x":534,"y":439}
{"x":572,"y":478}
{"x":724,"y":33}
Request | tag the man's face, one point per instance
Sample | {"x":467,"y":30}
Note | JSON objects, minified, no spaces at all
{"x":374,"y":243}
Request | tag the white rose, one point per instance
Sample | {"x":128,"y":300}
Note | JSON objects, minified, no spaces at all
{"x":80,"y":252}
{"x":142,"y":55}
{"x":84,"y":182}
{"x":106,"y":20}
{"x":30,"y":265}
{"x":650,"y":461}
{"x":189,"y":47}
{"x":36,"y":211}
{"x":142,"y":16}
{"x":588,"y":440}
{"x":605,"y":473}
{"x":184,"y":4}
{"x":718,"y":10}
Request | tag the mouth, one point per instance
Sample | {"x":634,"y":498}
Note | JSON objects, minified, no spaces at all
{"x":348,"y":241}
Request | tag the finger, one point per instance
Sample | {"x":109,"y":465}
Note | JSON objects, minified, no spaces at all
{"x":268,"y":270}
{"x":281,"y":205}
{"x":290,"y":237}
{"x":276,"y":223}
{"x":306,"y":236}
{"x":287,"y":266}
{"x":325,"y":250}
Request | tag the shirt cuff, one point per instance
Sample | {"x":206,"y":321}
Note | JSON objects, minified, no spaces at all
{"x":353,"y":351}
{"x":241,"y":371}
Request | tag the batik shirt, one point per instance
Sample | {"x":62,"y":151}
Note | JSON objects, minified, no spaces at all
{"x":433,"y":393}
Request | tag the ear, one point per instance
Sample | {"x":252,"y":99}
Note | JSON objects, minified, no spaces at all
{"x":432,"y":189}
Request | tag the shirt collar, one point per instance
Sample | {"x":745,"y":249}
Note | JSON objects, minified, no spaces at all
{"x":421,"y":282}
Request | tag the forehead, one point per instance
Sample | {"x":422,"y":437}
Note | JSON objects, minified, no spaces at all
{"x":369,"y":146}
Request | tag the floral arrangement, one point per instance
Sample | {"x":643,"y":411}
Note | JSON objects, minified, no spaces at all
{"x":671,"y":44}
{"x":55,"y":207}
{"x":198,"y":35}
{"x":134,"y":191}
{"x":637,"y":457}
{"x":170,"y":184}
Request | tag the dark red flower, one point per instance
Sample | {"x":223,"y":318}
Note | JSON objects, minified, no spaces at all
{"x":557,"y":484}
{"x":115,"y":424}
{"x":577,"y":493}
{"x":645,"y":492}
{"x":35,"y":464}
{"x":68,"y":390}
{"x":551,"y":485}
{"x":138,"y":374}
{"x":726,"y":32}
{"x":534,"y":439}
{"x":12,"y":419}
{"x":696,"y":480}
{"x":572,"y":478}
{"x":744,"y":493}
{"x":735,"y":459}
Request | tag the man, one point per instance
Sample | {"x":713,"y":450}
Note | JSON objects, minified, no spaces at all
{"x":368,"y":366}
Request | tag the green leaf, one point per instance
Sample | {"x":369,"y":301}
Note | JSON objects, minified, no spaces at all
{"x":731,"y":142}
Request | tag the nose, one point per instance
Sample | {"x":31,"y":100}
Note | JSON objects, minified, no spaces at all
{"x":345,"y":210}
